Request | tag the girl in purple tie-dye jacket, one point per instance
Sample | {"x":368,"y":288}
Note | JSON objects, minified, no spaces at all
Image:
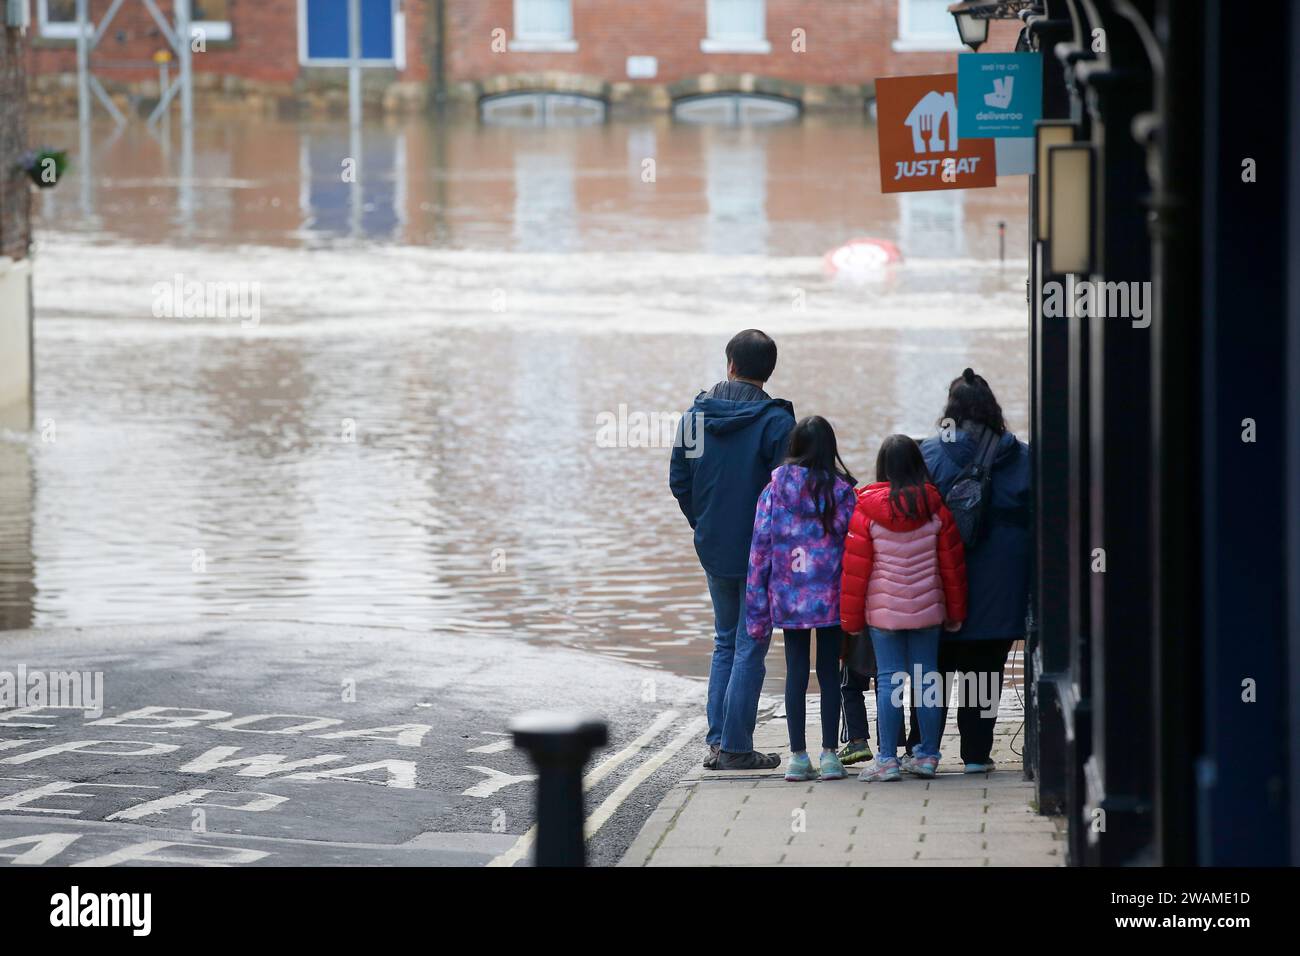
{"x":795,"y":563}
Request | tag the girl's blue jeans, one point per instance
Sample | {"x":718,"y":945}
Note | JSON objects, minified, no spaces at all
{"x":899,"y":654}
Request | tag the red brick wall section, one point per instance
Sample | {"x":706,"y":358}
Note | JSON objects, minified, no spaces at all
{"x":419,"y":57}
{"x":263,"y":45}
{"x":847,"y":41}
{"x":15,"y":193}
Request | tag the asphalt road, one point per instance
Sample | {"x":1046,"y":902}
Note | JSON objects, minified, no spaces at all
{"x":370,"y":746}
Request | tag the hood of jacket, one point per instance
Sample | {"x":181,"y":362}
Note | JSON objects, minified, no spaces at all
{"x":792,"y":491}
{"x":731,"y":406}
{"x":874,"y":501}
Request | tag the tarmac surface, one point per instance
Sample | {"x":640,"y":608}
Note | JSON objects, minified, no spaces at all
{"x":278,"y":743}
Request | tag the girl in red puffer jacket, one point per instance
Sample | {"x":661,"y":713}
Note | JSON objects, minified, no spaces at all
{"x":904,"y":577}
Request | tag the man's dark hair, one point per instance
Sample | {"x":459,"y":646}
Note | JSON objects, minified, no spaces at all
{"x":753,"y":353}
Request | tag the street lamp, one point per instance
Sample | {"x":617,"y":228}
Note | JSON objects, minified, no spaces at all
{"x":973,"y":30}
{"x":1047,"y":133}
{"x":1070,"y":172}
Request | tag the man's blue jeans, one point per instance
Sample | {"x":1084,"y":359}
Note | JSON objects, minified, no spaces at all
{"x":898,"y":655}
{"x":737,"y":670}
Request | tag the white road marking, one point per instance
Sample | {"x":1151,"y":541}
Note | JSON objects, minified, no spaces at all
{"x":152,"y":851}
{"x":83,"y":746}
{"x":258,"y":803}
{"x":493,"y":748}
{"x":638,"y":776}
{"x":496,"y":780}
{"x":62,"y":788}
{"x":599,"y":773}
{"x":45,"y":846}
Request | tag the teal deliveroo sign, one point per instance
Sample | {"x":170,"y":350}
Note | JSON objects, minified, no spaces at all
{"x":998,"y":94}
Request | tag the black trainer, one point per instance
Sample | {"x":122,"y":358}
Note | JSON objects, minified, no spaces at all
{"x":750,"y":761}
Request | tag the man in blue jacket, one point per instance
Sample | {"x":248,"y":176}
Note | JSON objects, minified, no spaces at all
{"x":739,"y":436}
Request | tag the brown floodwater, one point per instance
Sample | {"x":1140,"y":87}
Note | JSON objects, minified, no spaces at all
{"x":400,"y":425}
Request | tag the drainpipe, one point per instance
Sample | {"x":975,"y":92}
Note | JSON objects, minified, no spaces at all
{"x":439,"y":52}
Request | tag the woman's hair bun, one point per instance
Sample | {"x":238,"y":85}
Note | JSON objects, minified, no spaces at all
{"x":969,"y":376}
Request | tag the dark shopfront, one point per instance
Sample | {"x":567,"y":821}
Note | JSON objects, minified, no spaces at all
{"x":1165,"y":647}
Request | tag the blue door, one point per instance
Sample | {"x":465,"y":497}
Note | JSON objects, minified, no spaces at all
{"x":327,"y":30}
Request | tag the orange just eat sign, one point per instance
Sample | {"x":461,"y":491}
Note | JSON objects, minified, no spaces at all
{"x":916,"y":123}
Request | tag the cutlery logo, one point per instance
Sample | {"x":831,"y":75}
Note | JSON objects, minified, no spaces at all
{"x":1000,"y":98}
{"x":926,"y":118}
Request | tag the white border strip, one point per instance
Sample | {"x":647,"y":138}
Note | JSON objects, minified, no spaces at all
{"x":525,"y":842}
{"x":636,"y":778}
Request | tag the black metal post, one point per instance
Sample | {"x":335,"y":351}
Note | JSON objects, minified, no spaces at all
{"x":1242,"y":771}
{"x":1173,"y":140}
{"x":559,"y":746}
{"x":1118,"y":88}
{"x":1047,"y":643}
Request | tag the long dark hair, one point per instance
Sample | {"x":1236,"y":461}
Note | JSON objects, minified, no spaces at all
{"x":971,"y":400}
{"x":901,"y":464}
{"x":813,"y":446}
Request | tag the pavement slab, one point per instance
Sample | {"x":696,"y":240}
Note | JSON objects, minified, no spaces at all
{"x":758,"y":819}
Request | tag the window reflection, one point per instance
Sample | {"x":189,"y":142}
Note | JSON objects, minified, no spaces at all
{"x":350,"y":191}
{"x":931,"y":224}
{"x":736,"y":187}
{"x":545,"y":200}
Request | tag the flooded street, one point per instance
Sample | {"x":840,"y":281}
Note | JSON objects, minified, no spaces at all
{"x":406,"y":432}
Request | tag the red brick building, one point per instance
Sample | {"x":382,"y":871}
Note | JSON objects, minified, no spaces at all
{"x":259,"y":53}
{"x":632,"y":53}
{"x":821,"y":52}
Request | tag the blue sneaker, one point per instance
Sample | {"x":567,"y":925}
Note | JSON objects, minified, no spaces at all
{"x":980,"y":767}
{"x":800,"y":769}
{"x":884,"y":771}
{"x":925,"y":767}
{"x":832,"y":769}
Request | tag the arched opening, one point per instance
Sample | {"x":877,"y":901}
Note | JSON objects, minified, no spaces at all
{"x":736,"y":109}
{"x":541,"y":108}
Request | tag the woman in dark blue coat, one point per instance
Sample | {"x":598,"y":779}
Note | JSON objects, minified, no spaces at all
{"x":997,"y":567}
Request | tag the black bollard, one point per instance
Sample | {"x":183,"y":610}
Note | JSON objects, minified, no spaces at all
{"x":559,"y":746}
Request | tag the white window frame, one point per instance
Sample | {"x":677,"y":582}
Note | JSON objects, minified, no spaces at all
{"x":713,"y":43}
{"x":397,"y":61}
{"x":909,"y":42}
{"x":53,"y":29}
{"x":216,"y":30}
{"x":542,"y":42}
